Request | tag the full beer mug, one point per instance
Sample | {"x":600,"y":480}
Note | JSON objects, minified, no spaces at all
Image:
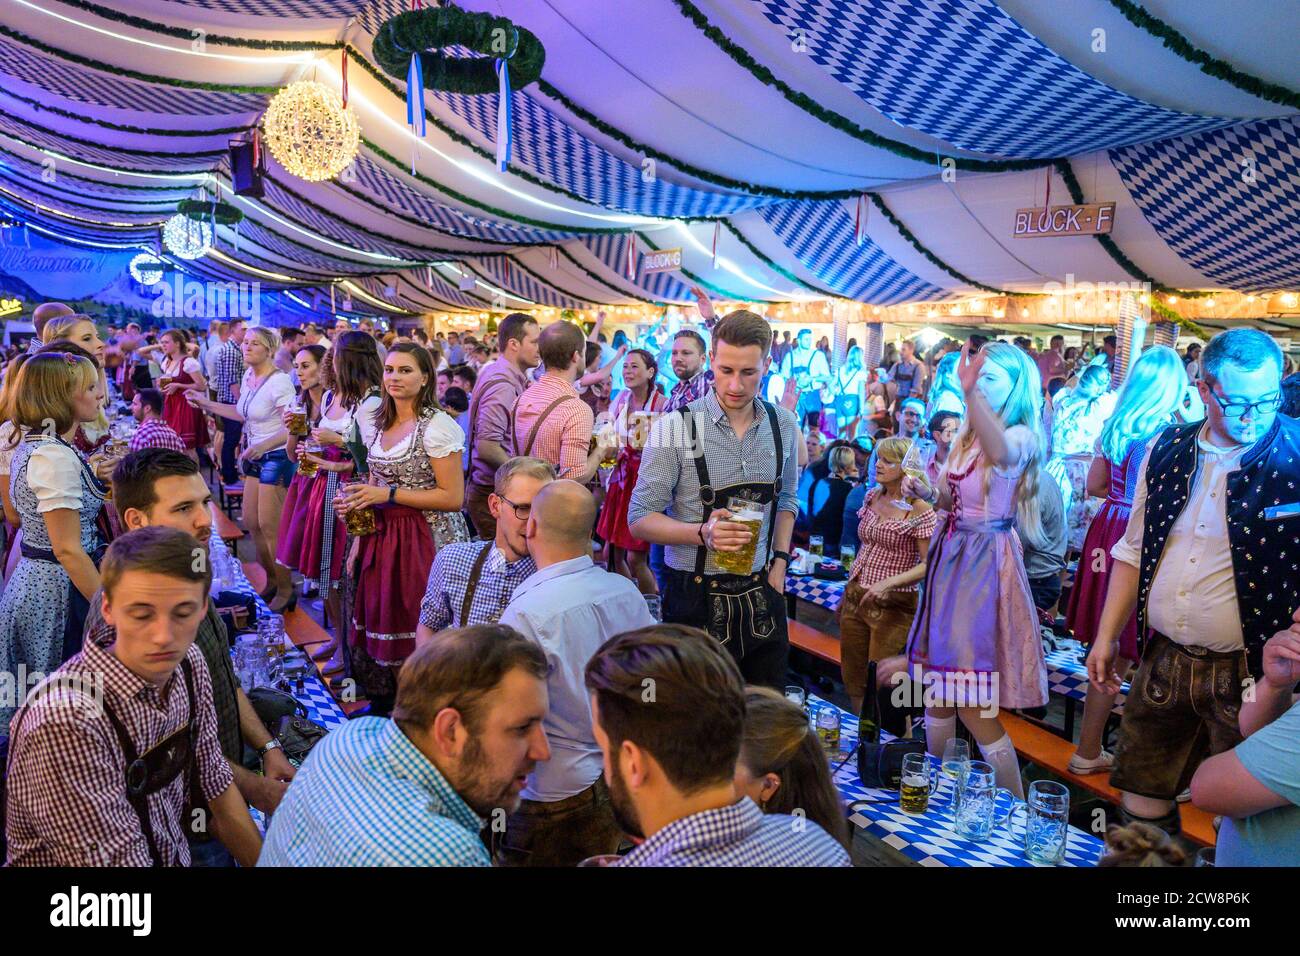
{"x":749,"y":513}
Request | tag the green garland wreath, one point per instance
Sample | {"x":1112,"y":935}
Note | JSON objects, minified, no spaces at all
{"x":430,"y":30}
{"x":202,"y":210}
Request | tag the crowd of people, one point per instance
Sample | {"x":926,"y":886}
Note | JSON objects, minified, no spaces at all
{"x":550,"y":559}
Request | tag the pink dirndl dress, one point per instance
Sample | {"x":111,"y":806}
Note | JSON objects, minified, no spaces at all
{"x":1088,"y":595}
{"x":976,"y":617}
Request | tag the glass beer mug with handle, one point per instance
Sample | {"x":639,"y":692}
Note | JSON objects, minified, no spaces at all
{"x":914,"y":785}
{"x":748,"y":512}
{"x":1047,"y":821}
{"x":976,"y":815}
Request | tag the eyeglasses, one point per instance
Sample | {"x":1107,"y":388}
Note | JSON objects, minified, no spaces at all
{"x":1237,"y":409}
{"x":521,"y":511}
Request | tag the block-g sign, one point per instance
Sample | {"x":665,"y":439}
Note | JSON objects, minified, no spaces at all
{"x":1093,"y":219}
{"x":663,"y":260}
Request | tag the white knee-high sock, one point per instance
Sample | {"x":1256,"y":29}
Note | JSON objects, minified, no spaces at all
{"x":1001,"y":756}
{"x":938,"y":731}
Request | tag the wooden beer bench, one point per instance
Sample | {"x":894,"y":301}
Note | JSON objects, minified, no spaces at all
{"x":226,"y":527}
{"x":813,"y":641}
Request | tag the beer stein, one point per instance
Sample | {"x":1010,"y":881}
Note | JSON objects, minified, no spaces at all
{"x":976,"y":815}
{"x":1047,"y":821}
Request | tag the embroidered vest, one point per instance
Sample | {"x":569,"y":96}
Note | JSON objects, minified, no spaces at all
{"x":1265,"y":547}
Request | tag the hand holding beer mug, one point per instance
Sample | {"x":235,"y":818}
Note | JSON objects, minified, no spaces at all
{"x":734,"y":534}
{"x":295,"y":420}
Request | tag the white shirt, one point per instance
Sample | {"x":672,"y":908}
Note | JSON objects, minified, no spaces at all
{"x":442,"y":437}
{"x":1193,"y":599}
{"x":54,"y":476}
{"x":264,"y":412}
{"x":570,"y":609}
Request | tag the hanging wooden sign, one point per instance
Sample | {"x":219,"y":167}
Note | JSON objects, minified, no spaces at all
{"x":662,"y":260}
{"x":1092,"y":219}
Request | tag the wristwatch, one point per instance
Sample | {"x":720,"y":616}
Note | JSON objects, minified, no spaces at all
{"x":783,"y":555}
{"x":392,"y":494}
{"x":272,"y":744}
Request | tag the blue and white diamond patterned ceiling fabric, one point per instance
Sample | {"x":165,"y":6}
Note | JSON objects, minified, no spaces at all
{"x":965,"y":72}
{"x":820,"y":235}
{"x":1225,"y":201}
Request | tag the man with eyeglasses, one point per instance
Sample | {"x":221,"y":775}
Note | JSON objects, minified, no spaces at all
{"x":1210,"y":561}
{"x":471,"y":582}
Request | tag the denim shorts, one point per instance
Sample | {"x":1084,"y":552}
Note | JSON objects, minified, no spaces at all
{"x":273,"y":468}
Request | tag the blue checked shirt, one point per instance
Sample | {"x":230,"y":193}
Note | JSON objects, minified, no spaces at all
{"x":668,"y":484}
{"x":365,"y":796}
{"x":229,"y":370}
{"x":739,"y":835}
{"x":449,"y":577}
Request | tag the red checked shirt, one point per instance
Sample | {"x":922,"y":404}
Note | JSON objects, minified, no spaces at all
{"x":888,"y":548}
{"x":156,"y":433}
{"x":67,"y":802}
{"x":565,"y":437}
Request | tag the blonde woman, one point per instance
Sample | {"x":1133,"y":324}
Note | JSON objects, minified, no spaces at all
{"x":81,"y":331}
{"x":264,"y":395}
{"x":58,"y":497}
{"x":880,"y":599}
{"x":975,"y":642}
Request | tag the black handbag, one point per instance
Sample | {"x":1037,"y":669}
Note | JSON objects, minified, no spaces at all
{"x":880,"y":765}
{"x":297,"y":735}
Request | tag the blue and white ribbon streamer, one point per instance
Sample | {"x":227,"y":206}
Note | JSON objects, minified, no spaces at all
{"x":505,"y":112}
{"x":415,"y":102}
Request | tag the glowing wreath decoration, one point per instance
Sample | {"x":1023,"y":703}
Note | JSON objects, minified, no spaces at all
{"x":146,"y":269}
{"x":187,"y":238}
{"x":310,"y":132}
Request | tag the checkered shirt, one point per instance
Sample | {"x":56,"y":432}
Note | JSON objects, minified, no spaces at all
{"x":228,"y":370}
{"x":365,"y":796}
{"x":565,"y":437}
{"x":739,"y":835}
{"x":888,"y":548}
{"x":67,"y":802}
{"x":449,"y":577}
{"x":684,"y":393}
{"x":156,"y":433}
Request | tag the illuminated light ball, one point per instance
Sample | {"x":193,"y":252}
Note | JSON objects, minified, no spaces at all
{"x":310,"y":132}
{"x":186,"y":237}
{"x":146,"y":269}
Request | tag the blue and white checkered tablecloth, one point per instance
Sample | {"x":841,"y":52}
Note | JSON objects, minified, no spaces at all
{"x":930,"y":838}
{"x":315,"y":698}
{"x":1067,"y":674}
{"x":827,"y":594}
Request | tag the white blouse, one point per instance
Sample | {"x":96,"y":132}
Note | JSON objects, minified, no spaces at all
{"x":54,"y":476}
{"x":442,"y":437}
{"x":264,"y":412}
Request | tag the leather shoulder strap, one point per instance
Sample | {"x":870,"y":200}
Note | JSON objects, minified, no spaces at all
{"x":546,"y":413}
{"x":475,"y":573}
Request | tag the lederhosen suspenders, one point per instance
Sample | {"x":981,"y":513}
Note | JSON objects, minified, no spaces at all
{"x":475,"y":574}
{"x":159,"y":765}
{"x":708,"y":496}
{"x":532,"y":432}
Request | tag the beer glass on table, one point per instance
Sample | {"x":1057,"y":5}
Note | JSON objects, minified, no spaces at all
{"x":914,"y":784}
{"x":816,"y":547}
{"x":749,"y":513}
{"x":976,"y":814}
{"x":1047,"y":821}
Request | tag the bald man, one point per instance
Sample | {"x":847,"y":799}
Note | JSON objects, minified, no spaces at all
{"x":41,"y":316}
{"x":569,"y":607}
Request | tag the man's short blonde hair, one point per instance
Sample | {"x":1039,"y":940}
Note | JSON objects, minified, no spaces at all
{"x":522,"y":465}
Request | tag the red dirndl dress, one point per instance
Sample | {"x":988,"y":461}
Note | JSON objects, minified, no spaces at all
{"x":1088,"y":595}
{"x":186,"y":420}
{"x":612,"y":526}
{"x":393,"y":563}
{"x":302,"y":539}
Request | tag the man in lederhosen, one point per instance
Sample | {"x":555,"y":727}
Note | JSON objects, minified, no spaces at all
{"x":808,"y":367}
{"x":727,"y":444}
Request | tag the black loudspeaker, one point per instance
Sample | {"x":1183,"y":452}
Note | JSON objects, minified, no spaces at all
{"x":248,"y":166}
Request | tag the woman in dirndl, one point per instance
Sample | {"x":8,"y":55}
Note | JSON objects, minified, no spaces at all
{"x":352,"y":374}
{"x":295,"y":521}
{"x":58,"y":497}
{"x":182,"y":373}
{"x":974,"y":642}
{"x":416,"y":487}
{"x":634,"y":411}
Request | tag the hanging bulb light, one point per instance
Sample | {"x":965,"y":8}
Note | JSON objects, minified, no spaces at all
{"x":310,"y":132}
{"x":186,"y":237}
